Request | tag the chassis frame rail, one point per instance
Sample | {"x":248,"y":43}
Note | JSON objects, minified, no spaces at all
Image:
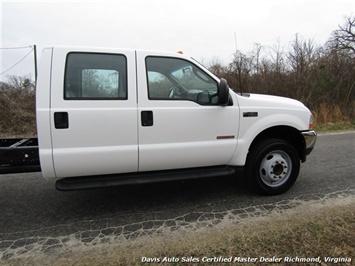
{"x":19,"y":155}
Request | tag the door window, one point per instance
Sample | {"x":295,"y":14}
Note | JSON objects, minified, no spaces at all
{"x":178,"y":79}
{"x":95,"y":77}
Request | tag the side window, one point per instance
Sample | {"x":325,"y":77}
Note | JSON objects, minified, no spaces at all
{"x":178,"y":79}
{"x":95,"y":77}
{"x":159,"y":85}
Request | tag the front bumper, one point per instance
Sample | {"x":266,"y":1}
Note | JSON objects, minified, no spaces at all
{"x":310,"y":138}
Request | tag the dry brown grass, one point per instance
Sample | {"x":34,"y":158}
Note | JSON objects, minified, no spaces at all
{"x":330,"y":232}
{"x":18,"y":117}
{"x":331,"y":118}
{"x":325,"y":114}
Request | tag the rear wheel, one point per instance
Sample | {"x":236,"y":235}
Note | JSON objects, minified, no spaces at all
{"x":272,"y":166}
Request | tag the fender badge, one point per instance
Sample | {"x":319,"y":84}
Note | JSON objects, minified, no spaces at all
{"x":250,"y":114}
{"x":226,"y":137}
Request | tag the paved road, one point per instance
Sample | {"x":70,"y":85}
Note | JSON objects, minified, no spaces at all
{"x":36,"y":217}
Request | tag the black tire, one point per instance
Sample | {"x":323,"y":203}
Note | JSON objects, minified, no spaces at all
{"x":272,"y":166}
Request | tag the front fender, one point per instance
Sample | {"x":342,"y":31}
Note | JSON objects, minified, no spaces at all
{"x":251,"y":127}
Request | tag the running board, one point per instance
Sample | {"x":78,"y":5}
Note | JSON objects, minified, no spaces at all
{"x":87,"y":182}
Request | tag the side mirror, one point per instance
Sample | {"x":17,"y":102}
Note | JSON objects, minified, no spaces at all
{"x":223,"y":92}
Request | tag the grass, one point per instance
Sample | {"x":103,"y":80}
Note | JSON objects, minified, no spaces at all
{"x":311,"y":231}
{"x":331,"y":118}
{"x":340,"y":126}
{"x":18,"y":118}
{"x":328,"y":233}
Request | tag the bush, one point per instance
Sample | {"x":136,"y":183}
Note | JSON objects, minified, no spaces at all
{"x":17,"y":105}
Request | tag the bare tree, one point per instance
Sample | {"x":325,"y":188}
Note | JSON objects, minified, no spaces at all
{"x":21,"y":82}
{"x":216,"y":67}
{"x":240,"y":68}
{"x":277,"y":57}
{"x":257,"y":55}
{"x":344,"y":37}
{"x":302,"y":55}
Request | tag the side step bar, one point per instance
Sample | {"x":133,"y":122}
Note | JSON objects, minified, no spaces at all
{"x":87,"y":182}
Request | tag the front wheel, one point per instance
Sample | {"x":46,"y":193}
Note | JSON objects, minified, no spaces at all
{"x":272,"y":166}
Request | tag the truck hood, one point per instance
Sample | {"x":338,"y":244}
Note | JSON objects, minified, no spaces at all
{"x":262,"y":100}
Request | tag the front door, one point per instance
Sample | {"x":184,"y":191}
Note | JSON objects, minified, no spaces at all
{"x":181,"y":124}
{"x":94,"y":112}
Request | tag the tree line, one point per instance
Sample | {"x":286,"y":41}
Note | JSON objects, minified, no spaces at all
{"x":322,"y":77}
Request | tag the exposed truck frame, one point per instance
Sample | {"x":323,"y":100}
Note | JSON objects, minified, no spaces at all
{"x":18,"y":155}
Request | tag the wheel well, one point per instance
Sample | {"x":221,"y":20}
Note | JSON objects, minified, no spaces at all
{"x":289,"y":134}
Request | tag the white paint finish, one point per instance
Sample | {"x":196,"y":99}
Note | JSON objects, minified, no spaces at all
{"x":272,"y":111}
{"x":79,"y":161}
{"x":107,"y":136}
{"x":184,"y":133}
{"x":185,"y":154}
{"x":44,"y":133}
{"x":102,"y":134}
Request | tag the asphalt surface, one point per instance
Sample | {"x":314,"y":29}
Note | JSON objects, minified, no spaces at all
{"x":34,"y":217}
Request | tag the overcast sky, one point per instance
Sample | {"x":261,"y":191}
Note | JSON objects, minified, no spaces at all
{"x":202,"y":29}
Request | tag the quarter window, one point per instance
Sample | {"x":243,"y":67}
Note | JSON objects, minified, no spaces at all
{"x":95,"y":77}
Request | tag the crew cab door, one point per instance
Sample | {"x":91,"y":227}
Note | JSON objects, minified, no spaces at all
{"x":181,"y":124}
{"x":93,"y":112}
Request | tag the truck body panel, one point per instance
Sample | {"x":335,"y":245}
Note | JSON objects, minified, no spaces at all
{"x":109,"y":116}
{"x":43,"y":117}
{"x":287,"y":112}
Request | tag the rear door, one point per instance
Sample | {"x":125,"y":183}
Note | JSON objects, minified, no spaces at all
{"x":93,"y":112}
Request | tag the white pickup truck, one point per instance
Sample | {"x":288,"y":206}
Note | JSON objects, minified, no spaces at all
{"x":110,"y":117}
